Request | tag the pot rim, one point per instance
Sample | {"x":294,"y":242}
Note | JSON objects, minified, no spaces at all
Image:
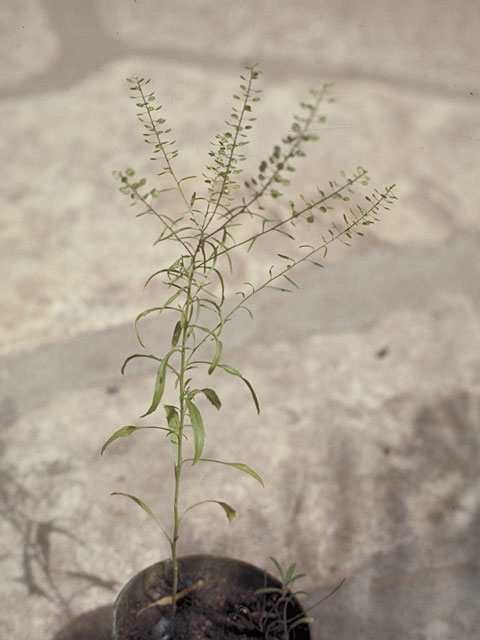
{"x":240,"y":571}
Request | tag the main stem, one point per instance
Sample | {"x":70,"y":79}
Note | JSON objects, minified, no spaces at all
{"x":176,"y":518}
{"x":178,"y":471}
{"x":186,"y":317}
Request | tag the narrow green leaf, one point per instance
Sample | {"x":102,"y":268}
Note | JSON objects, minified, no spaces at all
{"x":289,"y":574}
{"x":307,"y":594}
{"x":291,"y":281}
{"x":176,"y":333}
{"x":246,"y":469}
{"x":145,"y":508}
{"x":174,"y":424}
{"x":126,"y":431}
{"x":218,"y":346}
{"x":285,"y":233}
{"x":278,"y":568}
{"x":222,"y":285}
{"x":282,"y":289}
{"x":237,"y":465}
{"x":153,"y":309}
{"x":234,"y":372}
{"x":198,"y":429}
{"x":159,"y":384}
{"x":229,"y":510}
{"x":304,"y":620}
{"x":217,"y":356}
{"x":138,"y":355}
{"x":247,"y":310}
{"x":263,"y":590}
{"x":211,"y":395}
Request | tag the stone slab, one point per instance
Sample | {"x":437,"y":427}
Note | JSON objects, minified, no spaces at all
{"x":369,"y":377}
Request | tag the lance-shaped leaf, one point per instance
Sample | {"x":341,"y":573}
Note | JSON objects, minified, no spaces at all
{"x":146,"y":508}
{"x":175,"y":268}
{"x":237,"y":465}
{"x":222,"y":285}
{"x":290,"y":280}
{"x":176,"y":333}
{"x":174,"y":424}
{"x":229,"y":510}
{"x":211,"y":396}
{"x":153,"y":309}
{"x":278,"y":568}
{"x":289,"y":575}
{"x":218,"y":347}
{"x":217,"y":356}
{"x":303,"y":620}
{"x":198,"y":429}
{"x":206,"y":303}
{"x":138,"y":355}
{"x":234,"y":372}
{"x":159,"y":384}
{"x":126,"y":431}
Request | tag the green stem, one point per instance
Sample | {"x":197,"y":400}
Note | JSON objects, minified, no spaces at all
{"x":209,"y":216}
{"x":162,"y":147}
{"x":186,"y":332}
{"x":287,"y":156}
{"x":334,"y":236}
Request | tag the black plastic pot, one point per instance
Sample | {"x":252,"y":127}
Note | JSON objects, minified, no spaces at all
{"x":214,"y":571}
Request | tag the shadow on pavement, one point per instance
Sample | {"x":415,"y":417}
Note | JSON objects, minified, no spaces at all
{"x":92,"y":625}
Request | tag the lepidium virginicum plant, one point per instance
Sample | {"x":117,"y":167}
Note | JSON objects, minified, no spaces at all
{"x":214,"y":226}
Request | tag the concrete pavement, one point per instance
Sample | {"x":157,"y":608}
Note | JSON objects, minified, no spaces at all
{"x":369,"y":377}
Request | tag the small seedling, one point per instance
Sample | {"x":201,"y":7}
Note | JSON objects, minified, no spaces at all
{"x":277,"y":622}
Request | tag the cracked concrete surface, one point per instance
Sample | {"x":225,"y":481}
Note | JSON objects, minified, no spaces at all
{"x":369,"y":377}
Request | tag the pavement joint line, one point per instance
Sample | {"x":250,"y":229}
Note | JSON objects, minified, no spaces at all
{"x":93,"y":359}
{"x":75,"y":62}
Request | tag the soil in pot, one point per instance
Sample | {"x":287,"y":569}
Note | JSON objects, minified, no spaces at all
{"x":221,"y":604}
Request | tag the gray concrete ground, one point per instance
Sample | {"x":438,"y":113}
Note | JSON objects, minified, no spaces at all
{"x":369,"y":377}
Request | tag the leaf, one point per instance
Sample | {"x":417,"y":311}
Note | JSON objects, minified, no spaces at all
{"x":217,"y":356}
{"x":138,"y":355}
{"x":153,"y":309}
{"x":159,"y":384}
{"x":247,"y":310}
{"x":211,"y":395}
{"x":218,"y":346}
{"x":145,"y":508}
{"x":222,"y":285}
{"x":126,"y":431}
{"x":174,"y":424}
{"x":263,"y":590}
{"x":198,"y":429}
{"x":229,"y":511}
{"x":303,"y":620}
{"x":291,"y":281}
{"x":246,"y":469}
{"x":234,"y":372}
{"x":282,"y":289}
{"x":176,"y":333}
{"x":278,"y":568}
{"x":289,"y":574}
{"x":237,"y":465}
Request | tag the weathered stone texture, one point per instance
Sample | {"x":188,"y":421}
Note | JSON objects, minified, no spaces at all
{"x":369,"y":377}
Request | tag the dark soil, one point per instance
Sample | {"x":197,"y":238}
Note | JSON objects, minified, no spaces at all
{"x":215,"y":611}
